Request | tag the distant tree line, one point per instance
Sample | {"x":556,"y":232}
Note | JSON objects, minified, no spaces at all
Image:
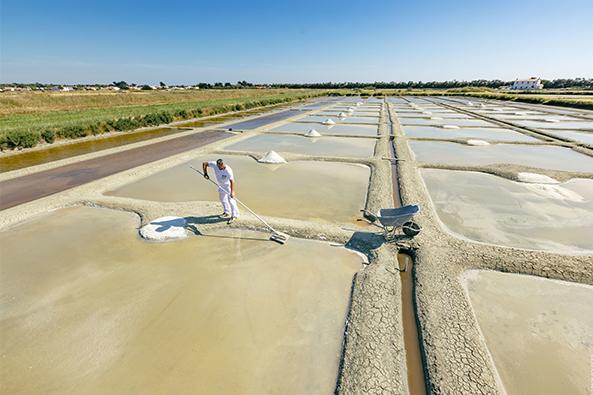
{"x":583,"y":83}
{"x":578,"y":83}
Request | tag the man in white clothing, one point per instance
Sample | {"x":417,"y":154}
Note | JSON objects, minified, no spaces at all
{"x":226,"y":192}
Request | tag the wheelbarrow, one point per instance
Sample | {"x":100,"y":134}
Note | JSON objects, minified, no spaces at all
{"x":391,"y":219}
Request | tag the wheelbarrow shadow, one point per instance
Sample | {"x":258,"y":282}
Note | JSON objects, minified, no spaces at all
{"x":365,"y":241}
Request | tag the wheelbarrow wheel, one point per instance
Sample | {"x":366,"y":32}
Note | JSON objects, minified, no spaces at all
{"x":411,"y":228}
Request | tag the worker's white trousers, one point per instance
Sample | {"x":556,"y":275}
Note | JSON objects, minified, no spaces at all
{"x":228,"y":203}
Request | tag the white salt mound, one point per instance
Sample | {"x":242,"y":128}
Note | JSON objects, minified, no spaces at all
{"x":477,"y":142}
{"x":552,"y":120}
{"x":165,"y":228}
{"x":359,"y":104}
{"x":342,"y":115}
{"x":272,"y":157}
{"x":450,"y":127}
{"x":436,"y":118}
{"x":534,"y":178}
{"x":426,"y":112}
{"x":329,"y":121}
{"x":313,"y":133}
{"x":350,"y":109}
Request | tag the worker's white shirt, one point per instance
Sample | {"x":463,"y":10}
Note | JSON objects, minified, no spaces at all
{"x":223,"y":177}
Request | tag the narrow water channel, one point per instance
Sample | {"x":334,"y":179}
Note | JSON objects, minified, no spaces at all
{"x":414,"y":365}
{"x":416,"y":384}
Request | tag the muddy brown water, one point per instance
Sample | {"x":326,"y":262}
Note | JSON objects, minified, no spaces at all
{"x":538,"y":331}
{"x":415,"y":369}
{"x":62,"y":151}
{"x":92,"y":308}
{"x":298,"y":189}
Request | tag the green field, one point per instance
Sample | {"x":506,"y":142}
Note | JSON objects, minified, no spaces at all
{"x":27,"y":118}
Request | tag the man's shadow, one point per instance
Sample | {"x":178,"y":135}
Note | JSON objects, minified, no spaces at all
{"x":191,"y":222}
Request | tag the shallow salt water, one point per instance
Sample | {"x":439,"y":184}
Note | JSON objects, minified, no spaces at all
{"x":540,"y":116}
{"x":340,"y":129}
{"x":374,"y":114}
{"x":581,"y":137}
{"x":495,"y":210}
{"x":264,"y":187}
{"x":557,"y":125}
{"x":92,"y":308}
{"x":405,"y":116}
{"x":496,"y":134}
{"x":323,"y":146}
{"x":446,"y":121}
{"x":336,"y":119}
{"x":538,"y":331}
{"x":542,"y":156}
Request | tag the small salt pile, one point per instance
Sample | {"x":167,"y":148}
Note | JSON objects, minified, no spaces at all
{"x":313,"y":133}
{"x":165,"y":228}
{"x":272,"y":157}
{"x":477,"y":142}
{"x":450,"y":127}
{"x":358,"y":104}
{"x":329,"y":121}
{"x":551,"y":120}
{"x":342,"y":115}
{"x":436,"y":118}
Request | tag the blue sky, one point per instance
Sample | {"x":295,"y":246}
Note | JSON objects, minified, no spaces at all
{"x":293,"y":41}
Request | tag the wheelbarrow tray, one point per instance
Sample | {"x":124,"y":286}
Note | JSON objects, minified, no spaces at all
{"x":396,"y":217}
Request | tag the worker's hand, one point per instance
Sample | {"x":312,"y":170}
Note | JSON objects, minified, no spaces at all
{"x":233,"y":195}
{"x":206,"y":176}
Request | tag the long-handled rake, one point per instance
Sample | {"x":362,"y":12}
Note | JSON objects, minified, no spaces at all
{"x":276,"y":236}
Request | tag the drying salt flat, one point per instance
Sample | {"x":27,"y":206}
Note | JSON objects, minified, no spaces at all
{"x":538,"y":331}
{"x":491,"y":209}
{"x":93,"y":308}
